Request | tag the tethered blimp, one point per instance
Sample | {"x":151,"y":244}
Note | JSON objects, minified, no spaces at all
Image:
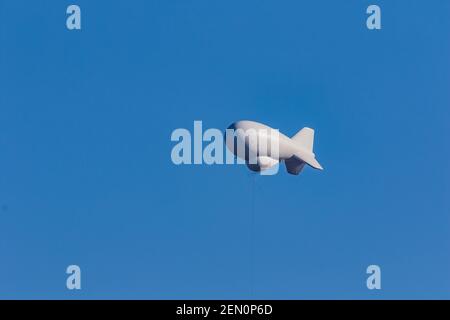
{"x":262,"y":147}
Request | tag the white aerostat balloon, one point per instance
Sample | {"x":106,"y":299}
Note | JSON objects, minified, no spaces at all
{"x":262,"y":147}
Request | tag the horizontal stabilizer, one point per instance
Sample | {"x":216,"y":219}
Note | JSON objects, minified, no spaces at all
{"x":294,"y":165}
{"x":309,"y":158}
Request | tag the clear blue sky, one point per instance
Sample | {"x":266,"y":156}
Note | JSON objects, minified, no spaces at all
{"x":86,"y":176}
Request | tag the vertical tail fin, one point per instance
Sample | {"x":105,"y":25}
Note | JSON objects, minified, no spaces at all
{"x":305,"y":138}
